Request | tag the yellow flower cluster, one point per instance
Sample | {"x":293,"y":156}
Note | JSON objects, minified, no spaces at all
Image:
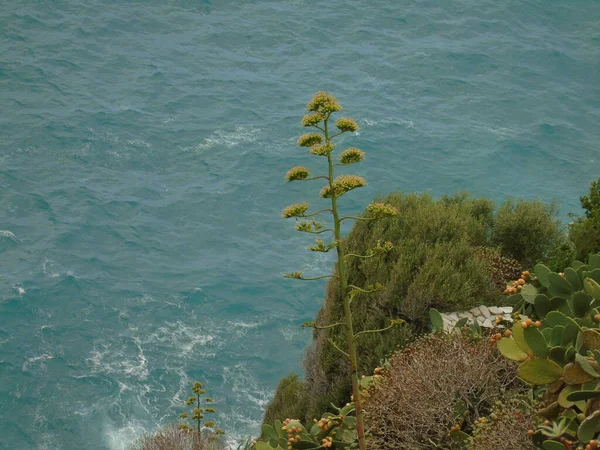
{"x":322,"y":150}
{"x":297,"y":173}
{"x":323,"y":102}
{"x":380,"y":209}
{"x":343,"y":184}
{"x":295,"y":210}
{"x":310,"y":139}
{"x":311,"y":120}
{"x":346,"y":124}
{"x":351,"y":155}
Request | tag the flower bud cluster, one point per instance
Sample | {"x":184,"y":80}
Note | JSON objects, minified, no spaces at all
{"x":352,"y":155}
{"x":322,"y":150}
{"x":324,"y":103}
{"x":379,"y":209}
{"x":297,"y":173}
{"x":295,"y":210}
{"x":346,"y":124}
{"x":343,"y":184}
{"x":310,"y":139}
{"x":311,"y":120}
{"x":517,"y":285}
{"x":294,"y":430}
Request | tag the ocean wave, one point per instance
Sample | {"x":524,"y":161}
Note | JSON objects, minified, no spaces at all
{"x":127,"y":360}
{"x":36,"y":359}
{"x":8,"y":234}
{"x":228,"y":139}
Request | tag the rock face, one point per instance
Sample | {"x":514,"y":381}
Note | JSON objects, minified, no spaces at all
{"x":485,"y":316}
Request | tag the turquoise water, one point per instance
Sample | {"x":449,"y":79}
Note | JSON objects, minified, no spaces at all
{"x":142,"y":152}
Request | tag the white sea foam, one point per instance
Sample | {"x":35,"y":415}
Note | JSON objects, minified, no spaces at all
{"x":49,"y":268}
{"x":37,"y":359}
{"x":229,"y":139}
{"x":122,"y":438}
{"x":20,"y":290}
{"x":107,"y":359}
{"x":246,"y":386}
{"x":8,"y":234}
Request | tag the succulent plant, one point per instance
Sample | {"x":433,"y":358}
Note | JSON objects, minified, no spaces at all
{"x":334,"y":430}
{"x":557,"y":344}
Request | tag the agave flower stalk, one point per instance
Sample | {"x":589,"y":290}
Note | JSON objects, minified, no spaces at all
{"x":321,"y":107}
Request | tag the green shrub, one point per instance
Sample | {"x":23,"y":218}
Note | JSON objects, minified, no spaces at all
{"x":584,"y":232}
{"x":288,"y":400}
{"x":502,"y":269}
{"x":441,"y":381}
{"x":527,"y":230}
{"x":436,"y":262}
{"x":432,"y":264}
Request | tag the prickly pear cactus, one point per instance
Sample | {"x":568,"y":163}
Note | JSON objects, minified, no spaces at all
{"x":558,"y":346}
{"x":333,"y":430}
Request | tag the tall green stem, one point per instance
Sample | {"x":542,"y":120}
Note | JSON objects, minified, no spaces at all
{"x":198,"y":420}
{"x":343,"y":278}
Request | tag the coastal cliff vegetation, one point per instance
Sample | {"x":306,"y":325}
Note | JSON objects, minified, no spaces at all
{"x":381,"y":374}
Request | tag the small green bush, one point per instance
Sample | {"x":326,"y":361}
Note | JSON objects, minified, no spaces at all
{"x":527,"y":231}
{"x":288,"y":400}
{"x":584,"y":232}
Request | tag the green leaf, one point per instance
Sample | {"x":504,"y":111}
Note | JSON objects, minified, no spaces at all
{"x":594,"y":261}
{"x":589,"y":426}
{"x":541,"y":271}
{"x":582,"y":395}
{"x":577,"y":265}
{"x":555,"y":318}
{"x":536,"y":341}
{"x":509,"y":348}
{"x":436,"y":319}
{"x":558,"y":354}
{"x":556,"y":334}
{"x":559,"y":286}
{"x":269,"y":431}
{"x":260,"y":445}
{"x":570,"y":354}
{"x":592,"y":287}
{"x":564,"y":399}
{"x":512,"y":300}
{"x":591,"y":339}
{"x":595,"y":275}
{"x":581,"y":303}
{"x":573,"y":278}
{"x":461,"y":322}
{"x":570,"y":334}
{"x":542,"y":305}
{"x":529,"y":293}
{"x":586,"y":366}
{"x":519,"y":337}
{"x":538,"y":371}
{"x":562,"y":305}
{"x":553,"y":445}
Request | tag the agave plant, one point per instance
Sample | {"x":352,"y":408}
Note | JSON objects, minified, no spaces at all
{"x":320,"y":142}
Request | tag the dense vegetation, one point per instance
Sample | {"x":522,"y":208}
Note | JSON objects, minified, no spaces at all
{"x":444,"y":257}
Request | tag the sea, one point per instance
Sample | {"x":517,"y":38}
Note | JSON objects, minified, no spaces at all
{"x":143,"y":148}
